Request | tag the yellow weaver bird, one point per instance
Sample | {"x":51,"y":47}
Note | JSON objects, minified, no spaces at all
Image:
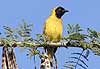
{"x":53,"y":29}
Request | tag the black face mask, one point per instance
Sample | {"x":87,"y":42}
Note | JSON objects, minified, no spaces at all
{"x":60,"y":12}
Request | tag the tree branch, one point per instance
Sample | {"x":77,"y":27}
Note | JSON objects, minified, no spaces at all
{"x":80,"y":44}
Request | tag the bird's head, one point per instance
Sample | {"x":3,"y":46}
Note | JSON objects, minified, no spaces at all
{"x":59,"y":11}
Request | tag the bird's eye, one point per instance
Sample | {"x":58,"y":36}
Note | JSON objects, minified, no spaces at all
{"x":59,"y":10}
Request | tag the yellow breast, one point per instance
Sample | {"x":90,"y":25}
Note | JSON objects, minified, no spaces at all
{"x":53,"y":28}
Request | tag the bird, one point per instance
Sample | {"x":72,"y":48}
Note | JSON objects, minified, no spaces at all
{"x":53,"y":29}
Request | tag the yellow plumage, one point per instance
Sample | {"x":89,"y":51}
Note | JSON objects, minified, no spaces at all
{"x":53,"y":29}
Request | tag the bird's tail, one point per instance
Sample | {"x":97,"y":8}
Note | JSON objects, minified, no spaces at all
{"x":51,"y":52}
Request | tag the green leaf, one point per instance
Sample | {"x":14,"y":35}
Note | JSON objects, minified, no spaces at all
{"x":92,"y":33}
{"x":73,"y":28}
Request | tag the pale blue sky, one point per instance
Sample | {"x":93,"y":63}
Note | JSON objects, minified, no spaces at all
{"x":84,"y":12}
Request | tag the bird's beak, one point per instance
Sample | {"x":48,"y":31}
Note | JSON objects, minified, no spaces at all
{"x":66,"y":11}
